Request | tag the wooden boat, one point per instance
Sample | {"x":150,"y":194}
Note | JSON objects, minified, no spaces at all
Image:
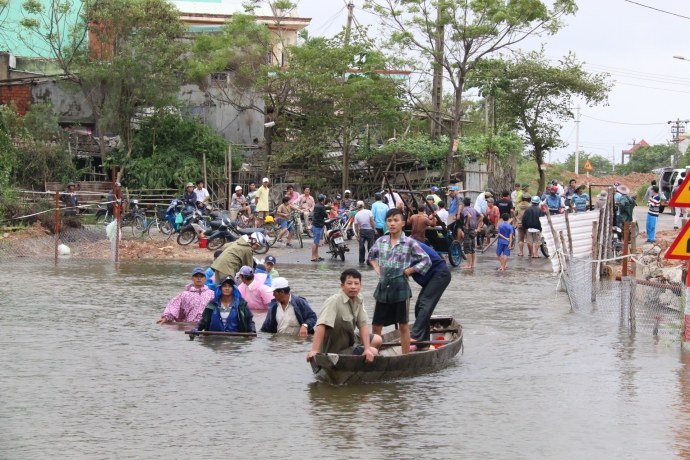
{"x":193,"y":334}
{"x":390,"y":364}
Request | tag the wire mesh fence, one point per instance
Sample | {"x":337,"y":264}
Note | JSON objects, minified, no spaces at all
{"x":642,"y":306}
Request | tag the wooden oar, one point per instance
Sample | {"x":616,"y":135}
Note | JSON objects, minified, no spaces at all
{"x":432,"y":342}
{"x":192,"y":334}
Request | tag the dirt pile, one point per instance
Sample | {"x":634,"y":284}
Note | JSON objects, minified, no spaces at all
{"x":633,"y":181}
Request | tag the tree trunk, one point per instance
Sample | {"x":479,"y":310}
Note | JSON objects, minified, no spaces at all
{"x":455,"y":128}
{"x":539,"y":158}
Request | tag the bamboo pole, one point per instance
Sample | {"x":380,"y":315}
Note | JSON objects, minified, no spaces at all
{"x":57,"y":225}
{"x":595,"y":246}
{"x":230,"y":174}
{"x":570,"y":235}
{"x":205,"y":176}
{"x":626,"y":232}
{"x":633,"y":246}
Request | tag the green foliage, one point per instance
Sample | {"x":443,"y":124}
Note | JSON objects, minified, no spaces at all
{"x":534,"y":96}
{"x":599,"y":163}
{"x":167,"y":152}
{"x":470,"y":30}
{"x":647,"y":158}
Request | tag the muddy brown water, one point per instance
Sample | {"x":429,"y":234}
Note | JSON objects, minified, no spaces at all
{"x":85,"y":374}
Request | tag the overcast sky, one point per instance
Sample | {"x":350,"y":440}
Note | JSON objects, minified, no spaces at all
{"x":634,"y":44}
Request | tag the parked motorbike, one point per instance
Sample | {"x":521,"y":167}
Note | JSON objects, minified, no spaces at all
{"x":196,"y":226}
{"x":334,"y":238}
{"x":223,"y":231}
{"x":346,"y":222}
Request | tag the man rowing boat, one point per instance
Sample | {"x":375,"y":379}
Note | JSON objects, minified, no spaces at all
{"x":340,"y":315}
{"x":190,"y":304}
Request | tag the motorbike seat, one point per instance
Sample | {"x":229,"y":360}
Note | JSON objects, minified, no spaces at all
{"x":215,"y":214}
{"x":215,"y":224}
{"x":249,"y":231}
{"x":329,"y":221}
{"x":187,"y":212}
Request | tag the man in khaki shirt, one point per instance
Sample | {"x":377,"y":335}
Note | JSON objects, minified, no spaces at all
{"x":342,"y":312}
{"x":262,"y":201}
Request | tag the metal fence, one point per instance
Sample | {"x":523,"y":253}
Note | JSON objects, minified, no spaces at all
{"x":642,"y":306}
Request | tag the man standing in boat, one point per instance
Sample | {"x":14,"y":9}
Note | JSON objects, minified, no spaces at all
{"x":288,"y":313}
{"x":340,"y":315}
{"x":434,"y":284}
{"x":395,"y":257}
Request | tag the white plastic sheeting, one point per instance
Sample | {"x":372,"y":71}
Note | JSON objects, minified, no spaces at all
{"x":580,"y":230}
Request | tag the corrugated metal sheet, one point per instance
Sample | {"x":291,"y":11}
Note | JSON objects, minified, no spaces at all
{"x":476,"y":178}
{"x":580,"y":229}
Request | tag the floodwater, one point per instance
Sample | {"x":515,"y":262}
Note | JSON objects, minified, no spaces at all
{"x":86,"y":375}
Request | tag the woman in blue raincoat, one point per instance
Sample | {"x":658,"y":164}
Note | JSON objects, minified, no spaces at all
{"x":228,"y":312}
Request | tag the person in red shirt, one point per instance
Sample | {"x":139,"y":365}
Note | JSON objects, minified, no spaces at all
{"x":419,"y":223}
{"x":491,"y":220}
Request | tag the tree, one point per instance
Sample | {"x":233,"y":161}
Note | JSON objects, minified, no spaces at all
{"x":456,"y":35}
{"x":124,"y":55}
{"x":647,"y":158}
{"x":598,"y":162}
{"x":534,"y":97}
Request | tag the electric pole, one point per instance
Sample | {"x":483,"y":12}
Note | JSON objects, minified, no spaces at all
{"x":677,"y":128}
{"x":437,"y":82}
{"x":348,"y":27}
{"x":577,"y":140}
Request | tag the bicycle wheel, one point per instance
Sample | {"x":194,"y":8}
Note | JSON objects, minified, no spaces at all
{"x":187,"y":235}
{"x":299,"y":237}
{"x":138,"y":226}
{"x":271,"y":233}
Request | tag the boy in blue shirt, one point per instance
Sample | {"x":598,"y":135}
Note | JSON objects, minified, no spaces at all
{"x":505,"y":239}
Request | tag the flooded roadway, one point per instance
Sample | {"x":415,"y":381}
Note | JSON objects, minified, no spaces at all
{"x":85,"y":374}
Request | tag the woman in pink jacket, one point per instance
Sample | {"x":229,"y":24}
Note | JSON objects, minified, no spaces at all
{"x":253,"y":289}
{"x":190,"y":304}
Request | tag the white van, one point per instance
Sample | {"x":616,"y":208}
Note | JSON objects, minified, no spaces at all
{"x":667,"y":178}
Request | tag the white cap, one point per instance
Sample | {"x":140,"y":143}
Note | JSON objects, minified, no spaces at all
{"x":189,"y":184}
{"x":346,"y":191}
{"x":278,"y":283}
{"x":238,"y":188}
{"x":265,"y":179}
{"x":360,"y":204}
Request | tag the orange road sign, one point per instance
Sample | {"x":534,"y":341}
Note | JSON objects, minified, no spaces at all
{"x":682,"y":197}
{"x":680,"y":249}
{"x":588,"y":166}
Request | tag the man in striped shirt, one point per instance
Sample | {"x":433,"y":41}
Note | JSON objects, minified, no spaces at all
{"x":653,"y":215}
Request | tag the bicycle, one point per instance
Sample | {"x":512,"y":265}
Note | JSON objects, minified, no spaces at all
{"x":159,"y":227}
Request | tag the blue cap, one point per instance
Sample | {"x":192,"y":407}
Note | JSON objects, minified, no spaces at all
{"x":434,"y":189}
{"x":453,"y":188}
{"x":535,"y":199}
{"x":198,"y":271}
{"x":270,"y":260}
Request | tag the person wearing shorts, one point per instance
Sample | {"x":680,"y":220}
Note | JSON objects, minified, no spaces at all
{"x":262,"y":200}
{"x":530,"y":222}
{"x":505,"y":239}
{"x":318,"y":225}
{"x":472,"y":217}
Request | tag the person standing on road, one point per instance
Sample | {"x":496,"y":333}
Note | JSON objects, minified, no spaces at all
{"x":471,"y":218}
{"x":262,"y":201}
{"x":530,"y":222}
{"x":523,"y":190}
{"x":626,"y":205}
{"x":317,"y":226}
{"x":514,"y":194}
{"x":433,"y":284}
{"x":442,"y":212}
{"x":395,"y":257}
{"x":653,"y":214}
{"x":379,"y":210}
{"x":519,"y":213}
{"x":648,"y":193}
{"x":505,"y":241}
{"x":419,"y":223}
{"x":454,"y":204}
{"x":491,"y":220}
{"x":251,"y":197}
{"x":364,"y":230}
{"x":505,"y":205}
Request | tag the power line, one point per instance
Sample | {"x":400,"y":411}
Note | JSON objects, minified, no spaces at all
{"x":653,"y":87}
{"x":621,"y":123}
{"x":657,"y":9}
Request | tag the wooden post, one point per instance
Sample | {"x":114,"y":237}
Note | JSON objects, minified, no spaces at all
{"x":57,"y":225}
{"x":595,"y":244}
{"x":555,"y":238}
{"x":626,"y":241}
{"x":116,"y":215}
{"x":229,"y":174}
{"x":570,"y":235}
{"x":205,"y":176}
{"x":633,"y":246}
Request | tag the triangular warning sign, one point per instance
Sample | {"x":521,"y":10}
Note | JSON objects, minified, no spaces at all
{"x":682,"y":197}
{"x":588,"y":166}
{"x":680,"y":249}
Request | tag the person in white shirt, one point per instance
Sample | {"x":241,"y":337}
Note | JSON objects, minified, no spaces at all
{"x":365,"y":230}
{"x":238,"y":203}
{"x":394,"y":200}
{"x":202,"y":194}
{"x":288,"y":313}
{"x":442,"y":212}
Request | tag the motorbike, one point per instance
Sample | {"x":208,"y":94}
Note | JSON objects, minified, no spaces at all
{"x":334,"y":238}
{"x":194,"y":227}
{"x":224,"y":231}
{"x":617,"y":241}
{"x":346,"y":217}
